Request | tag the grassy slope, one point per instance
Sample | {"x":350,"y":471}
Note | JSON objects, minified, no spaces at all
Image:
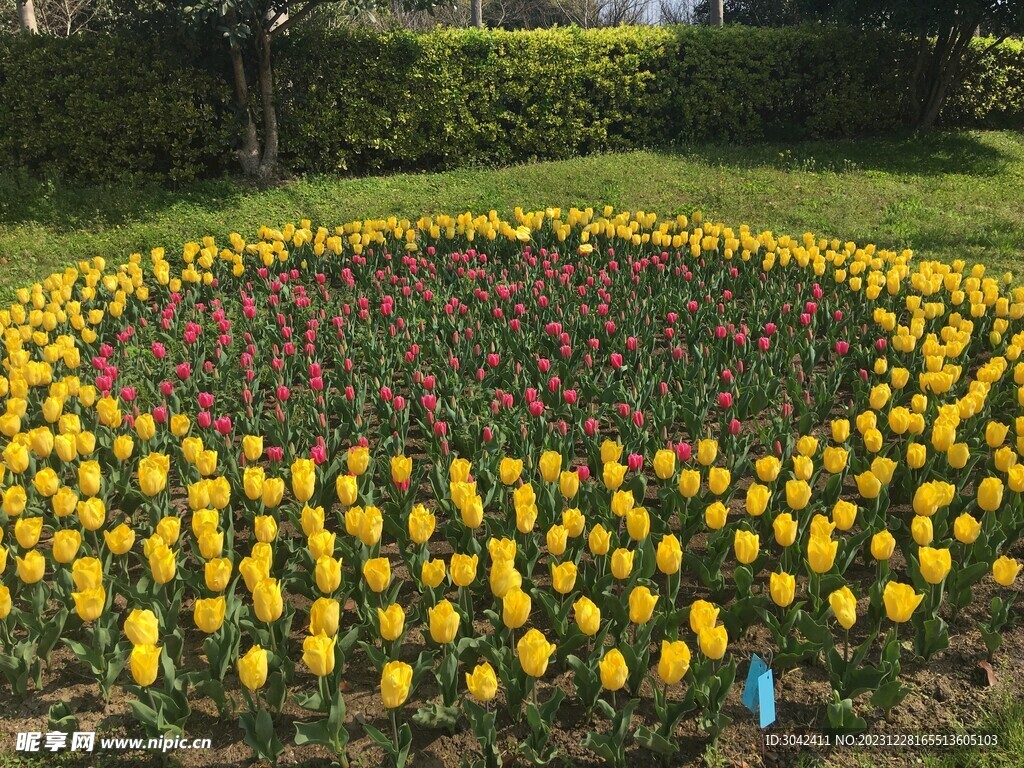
{"x":947,"y":196}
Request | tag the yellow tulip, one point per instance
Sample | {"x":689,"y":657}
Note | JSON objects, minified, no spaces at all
{"x":534,"y":653}
{"x":327,"y":573}
{"x":318,"y":654}
{"x":482,"y":682}
{"x":153,"y":469}
{"x":46,"y":482}
{"x":990,"y":494}
{"x":599,"y":540}
{"x":144,"y":662}
{"x":613,"y":669}
{"x":303,"y":480}
{"x":834,"y":459}
{"x":782,"y":587}
{"x":715,"y":515}
{"x":252,"y":447}
{"x":168,"y":529}
{"x":1005,"y":570}
{"x":526,"y":517}
{"x":713,"y":642}
{"x":689,"y":483}
{"x":252,"y":482}
{"x":638,"y":523}
{"x":65,"y":545}
{"x":883,"y":544}
{"x":798,"y":494}
{"x":347,"y":488}
{"x":371,"y":526}
{"x":641,"y":605}
{"x":252,"y":668}
{"x":767,"y":468}
{"x":569,"y":484}
{"x":432,"y":573}
{"x":613,"y":474}
{"x":550,"y":465}
{"x":844,"y":514}
{"x":472,"y":512}
{"x":208,"y":613}
{"x":563,"y":577}
{"x":463,"y":569}
{"x":557,"y":538}
{"x":312,"y":520}
{"x":844,"y":606}
{"x":587,"y":616}
{"x":395,"y":682}
{"x":757,"y":500}
{"x":622,"y":563}
{"x":935,"y":564}
{"x":707,"y":451}
{"x":966,"y":529}
{"x":669,"y":555}
{"x":31,"y":567}
{"x":142,"y":628}
{"x":358,"y":460}
{"x":320,"y":544}
{"x":217,"y":574}
{"x":674,"y":662}
{"x":622,"y":502}
{"x":664,"y":464}
{"x":702,"y":614}
{"x":325,"y":616}
{"x":922,"y":531}
{"x":610,"y":451}
{"x":27,"y":531}
{"x":14,"y":500}
{"x":868,"y":485}
{"x":718,"y":480}
{"x":267,"y":600}
{"x":821,"y":553}
{"x":273,"y":491}
{"x":392,"y":622}
{"x":510,"y":470}
{"x":89,"y":603}
{"x":444,"y":622}
{"x":515,"y":608}
{"x":746,"y":546}
{"x":421,"y":524}
{"x":458,"y":470}
{"x":503,"y":577}
{"x":163,"y":565}
{"x":900,"y":601}
{"x":401,"y":469}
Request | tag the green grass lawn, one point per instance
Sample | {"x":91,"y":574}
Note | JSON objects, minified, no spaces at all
{"x":946,"y":195}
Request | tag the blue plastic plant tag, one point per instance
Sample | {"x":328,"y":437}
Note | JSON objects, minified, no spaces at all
{"x":750,"y":694}
{"x":766,"y":698}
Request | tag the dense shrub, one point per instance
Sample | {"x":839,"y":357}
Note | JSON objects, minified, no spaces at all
{"x":356,"y":101}
{"x":992,"y":95}
{"x":98,"y":108}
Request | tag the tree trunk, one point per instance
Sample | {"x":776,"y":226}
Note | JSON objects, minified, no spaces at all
{"x":717,"y":9}
{"x":27,"y":17}
{"x":947,"y":59}
{"x":268,"y":164}
{"x":249,"y":152}
{"x":478,"y":13}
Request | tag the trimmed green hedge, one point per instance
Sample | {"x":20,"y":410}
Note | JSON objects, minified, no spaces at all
{"x":358,"y":101}
{"x":96,"y":108}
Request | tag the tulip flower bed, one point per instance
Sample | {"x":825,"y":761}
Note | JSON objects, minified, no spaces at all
{"x":504,"y":478}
